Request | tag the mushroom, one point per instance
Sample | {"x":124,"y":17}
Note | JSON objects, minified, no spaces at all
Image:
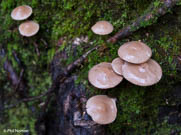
{"x":21,"y":12}
{"x":102,"y":76}
{"x":102,"y":28}
{"x":28,"y":28}
{"x":135,"y":52}
{"x":144,"y":74}
{"x":117,"y":65}
{"x":102,"y":109}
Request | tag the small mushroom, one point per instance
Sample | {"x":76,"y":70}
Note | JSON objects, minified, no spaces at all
{"x":28,"y":28}
{"x":144,"y":74}
{"x":102,"y":76}
{"x":135,"y":52}
{"x":21,"y":12}
{"x":102,"y":28}
{"x":102,"y":109}
{"x":117,"y":65}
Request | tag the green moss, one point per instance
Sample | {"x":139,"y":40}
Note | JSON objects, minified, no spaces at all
{"x":17,"y":120}
{"x":137,"y":106}
{"x":164,"y":128}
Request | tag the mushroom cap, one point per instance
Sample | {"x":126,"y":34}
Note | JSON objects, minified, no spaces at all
{"x":21,"y":12}
{"x":28,"y":28}
{"x":117,"y":64}
{"x":102,"y":28}
{"x":144,"y":74}
{"x":102,"y":76}
{"x":135,"y":52}
{"x":102,"y":109}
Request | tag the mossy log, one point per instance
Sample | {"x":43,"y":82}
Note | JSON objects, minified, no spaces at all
{"x":153,"y":12}
{"x":70,"y":117}
{"x":151,"y":15}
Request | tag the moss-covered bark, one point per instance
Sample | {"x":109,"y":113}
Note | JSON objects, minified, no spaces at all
{"x":65,"y":20}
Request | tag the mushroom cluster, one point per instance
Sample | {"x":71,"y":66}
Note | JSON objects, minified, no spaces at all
{"x":28,"y":28}
{"x":138,"y":67}
{"x":134,"y":64}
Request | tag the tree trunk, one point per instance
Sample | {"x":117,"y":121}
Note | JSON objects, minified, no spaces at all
{"x":67,"y":113}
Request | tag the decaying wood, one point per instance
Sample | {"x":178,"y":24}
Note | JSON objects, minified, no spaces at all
{"x":79,"y":61}
{"x":69,"y":115}
{"x":58,"y":79}
{"x":153,"y":12}
{"x":66,"y":113}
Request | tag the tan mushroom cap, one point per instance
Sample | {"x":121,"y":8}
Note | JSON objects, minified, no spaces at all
{"x":21,"y":12}
{"x":144,"y":74}
{"x":117,"y":64}
{"x":102,"y":76}
{"x":135,"y":52}
{"x":28,"y":28}
{"x":102,"y":109}
{"x":102,"y":28}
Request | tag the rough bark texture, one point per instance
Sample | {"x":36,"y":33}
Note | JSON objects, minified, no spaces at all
{"x":67,"y":114}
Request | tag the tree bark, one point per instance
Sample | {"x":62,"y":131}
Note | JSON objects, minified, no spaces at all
{"x":67,"y":113}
